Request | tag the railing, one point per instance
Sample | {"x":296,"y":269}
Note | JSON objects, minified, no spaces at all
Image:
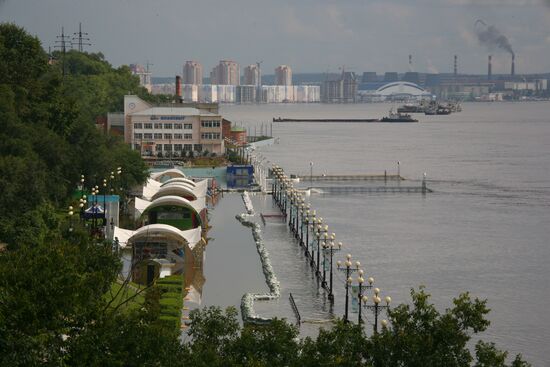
{"x":295,"y":309}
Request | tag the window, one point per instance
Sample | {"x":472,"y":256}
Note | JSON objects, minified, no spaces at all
{"x":167,"y":136}
{"x":168,"y":126}
{"x":198,"y":147}
{"x":158,"y":136}
{"x":137,"y":147}
{"x":188,"y":126}
{"x":172,"y":118}
{"x":178,"y":136}
{"x":168,"y":147}
{"x":148,"y":125}
{"x":177,"y":147}
{"x":178,"y":126}
{"x":158,"y":126}
{"x":138,"y":125}
{"x":188,"y":136}
{"x":188,"y":147}
{"x":210,"y":123}
{"x":138,"y":136}
{"x":158,"y":147}
{"x":148,"y":136}
{"x":210,"y":136}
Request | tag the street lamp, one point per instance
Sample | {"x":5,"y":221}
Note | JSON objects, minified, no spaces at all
{"x":326,"y":247}
{"x":332,"y":249}
{"x":377,"y":307}
{"x":348,"y":270}
{"x":70,"y":213}
{"x":323,"y":231}
{"x":310,"y":173}
{"x":360,"y":297}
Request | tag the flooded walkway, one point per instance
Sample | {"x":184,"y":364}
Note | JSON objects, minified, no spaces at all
{"x":232,"y":265}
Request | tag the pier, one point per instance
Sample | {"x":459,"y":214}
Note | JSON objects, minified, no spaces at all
{"x":365,"y":189}
{"x":375,"y":177}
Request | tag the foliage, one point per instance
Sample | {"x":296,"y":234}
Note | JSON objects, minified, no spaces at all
{"x":48,"y":137}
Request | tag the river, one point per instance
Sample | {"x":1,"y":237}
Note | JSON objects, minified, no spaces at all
{"x":485,"y":228}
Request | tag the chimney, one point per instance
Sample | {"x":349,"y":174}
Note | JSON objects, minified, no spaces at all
{"x":410,"y":62}
{"x":490,"y":68}
{"x":456,"y":66}
{"x":178,"y":86}
{"x":513,"y":72}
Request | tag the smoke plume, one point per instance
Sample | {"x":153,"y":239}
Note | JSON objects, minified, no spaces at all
{"x":490,"y":37}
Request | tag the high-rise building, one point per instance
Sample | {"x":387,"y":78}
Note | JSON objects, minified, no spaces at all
{"x":349,"y":87}
{"x":226,"y":73}
{"x":251,"y":75}
{"x":283,"y":75}
{"x":192,"y":73}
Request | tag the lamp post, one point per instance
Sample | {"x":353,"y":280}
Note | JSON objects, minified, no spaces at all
{"x":312,"y":220}
{"x":332,"y":250}
{"x":81,"y":185}
{"x":348,"y":270}
{"x":316,"y":231}
{"x":360,"y":297}
{"x":325,"y":253}
{"x":310,"y":173}
{"x":376,"y":307}
{"x":70,"y":213}
{"x":323,"y":231}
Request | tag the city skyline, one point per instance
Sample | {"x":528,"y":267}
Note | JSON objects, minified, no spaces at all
{"x":375,"y":36}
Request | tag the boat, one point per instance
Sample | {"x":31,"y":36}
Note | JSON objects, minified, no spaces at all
{"x":411,"y":108}
{"x":398,"y":117}
{"x":439,"y":110}
{"x":281,"y":119}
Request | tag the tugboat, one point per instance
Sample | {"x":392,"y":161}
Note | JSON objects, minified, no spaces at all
{"x":398,"y":117}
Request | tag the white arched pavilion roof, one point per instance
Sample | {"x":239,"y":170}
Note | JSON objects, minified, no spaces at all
{"x":174,"y":190}
{"x":179,"y":179}
{"x":190,"y":237}
{"x":173,"y":172}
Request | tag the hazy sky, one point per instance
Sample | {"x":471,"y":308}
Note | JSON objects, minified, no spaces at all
{"x":308,"y":35}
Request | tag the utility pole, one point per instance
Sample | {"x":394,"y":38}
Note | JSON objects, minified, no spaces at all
{"x":61,"y":43}
{"x":81,"y":38}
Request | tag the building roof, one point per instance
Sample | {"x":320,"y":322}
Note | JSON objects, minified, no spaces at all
{"x":172,"y":111}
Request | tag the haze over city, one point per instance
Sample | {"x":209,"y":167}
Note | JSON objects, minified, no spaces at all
{"x":311,"y":36}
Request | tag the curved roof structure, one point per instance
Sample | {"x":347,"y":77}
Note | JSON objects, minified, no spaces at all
{"x":401,"y":88}
{"x":190,"y":237}
{"x":181,"y":180}
{"x":175,"y":190}
{"x":173,"y":172}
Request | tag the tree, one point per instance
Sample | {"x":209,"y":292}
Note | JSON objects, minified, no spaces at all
{"x":420,"y":335}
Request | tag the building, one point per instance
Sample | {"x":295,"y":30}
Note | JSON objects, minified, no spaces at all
{"x":341,"y":90}
{"x":227,"y":72}
{"x":170,"y":131}
{"x":283,"y":75}
{"x":252,"y":75}
{"x":143,"y":74}
{"x":349,"y":87}
{"x":396,"y":91}
{"x":192,"y":73}
{"x":369,"y":77}
{"x":246,"y":93}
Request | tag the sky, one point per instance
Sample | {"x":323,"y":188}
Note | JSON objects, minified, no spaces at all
{"x":308,"y":35}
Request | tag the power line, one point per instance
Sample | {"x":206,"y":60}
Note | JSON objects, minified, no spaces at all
{"x":80,"y":38}
{"x":61,"y":44}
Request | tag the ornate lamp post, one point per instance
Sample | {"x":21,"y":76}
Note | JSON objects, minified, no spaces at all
{"x":348,"y":270}
{"x":70,"y":214}
{"x":316,"y":231}
{"x":332,"y":249}
{"x":326,"y":246}
{"x":361,"y":298}
{"x":376,"y":307}
{"x":323,"y":232}
{"x":312,"y":224}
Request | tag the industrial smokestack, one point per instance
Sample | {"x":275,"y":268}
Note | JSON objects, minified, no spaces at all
{"x":456,"y":66}
{"x":178,"y":86}
{"x":513,"y":72}
{"x":490,"y":68}
{"x":410,"y":62}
